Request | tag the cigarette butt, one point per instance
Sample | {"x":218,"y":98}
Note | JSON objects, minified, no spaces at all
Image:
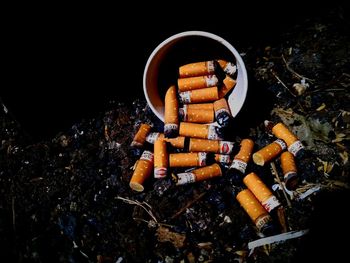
{"x":289,"y":169}
{"x":143,"y":170}
{"x":199,"y":174}
{"x":282,"y":132}
{"x":196,"y":130}
{"x":200,"y":95}
{"x":245,"y":151}
{"x":228,"y":84}
{"x":140,"y":136}
{"x":269,"y":152}
{"x":187,"y":159}
{"x":253,"y":208}
{"x":178,"y":142}
{"x":193,"y":83}
{"x":197,"y":69}
{"x":222,"y":112}
{"x":223,"y":158}
{"x":160,"y":159}
{"x":228,"y":67}
{"x":200,"y":106}
{"x":171,"y":118}
{"x":196,"y":115}
{"x":207,"y":172}
{"x":261,"y":191}
{"x":242,"y":158}
{"x":215,"y":146}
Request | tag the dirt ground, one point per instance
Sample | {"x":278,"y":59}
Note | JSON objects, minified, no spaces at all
{"x":67,"y":198}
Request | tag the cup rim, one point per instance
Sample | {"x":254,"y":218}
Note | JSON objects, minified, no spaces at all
{"x":215,"y":37}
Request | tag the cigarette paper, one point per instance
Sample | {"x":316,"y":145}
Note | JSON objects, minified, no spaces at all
{"x":261,"y":191}
{"x":143,"y":170}
{"x":224,"y":159}
{"x":269,"y":152}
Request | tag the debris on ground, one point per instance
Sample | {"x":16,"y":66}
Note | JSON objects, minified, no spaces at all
{"x":68,"y":199}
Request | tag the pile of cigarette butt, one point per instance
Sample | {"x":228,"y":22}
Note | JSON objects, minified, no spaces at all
{"x":193,"y":148}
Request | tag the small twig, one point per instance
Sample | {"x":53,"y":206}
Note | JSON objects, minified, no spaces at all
{"x":132,"y":202}
{"x":275,"y":173}
{"x":294,"y":72}
{"x":13,"y":214}
{"x":326,"y":90}
{"x":189,"y":204}
{"x":282,"y":83}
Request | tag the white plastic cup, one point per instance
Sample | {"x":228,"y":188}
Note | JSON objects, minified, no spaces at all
{"x":165,"y":52}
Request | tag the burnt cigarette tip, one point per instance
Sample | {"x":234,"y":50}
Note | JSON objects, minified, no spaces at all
{"x":224,"y":119}
{"x":291,"y":181}
{"x":268,"y":125}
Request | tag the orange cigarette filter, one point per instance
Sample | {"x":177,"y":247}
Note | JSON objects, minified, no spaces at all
{"x":193,"y":83}
{"x":289,"y":169}
{"x":228,"y":67}
{"x":171,"y":118}
{"x":282,"y":132}
{"x":196,"y":115}
{"x":196,"y":130}
{"x":199,"y":174}
{"x":242,"y":158}
{"x":178,"y":142}
{"x":197,"y":69}
{"x":200,"y":106}
{"x":261,"y":191}
{"x":140,"y":136}
{"x":143,"y":170}
{"x":200,"y":95}
{"x":269,"y":152}
{"x":253,"y":208}
{"x":228,"y":84}
{"x":215,"y":146}
{"x":187,"y":159}
{"x":160,"y":159}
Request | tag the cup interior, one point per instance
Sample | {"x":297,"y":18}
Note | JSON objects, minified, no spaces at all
{"x":162,"y":67}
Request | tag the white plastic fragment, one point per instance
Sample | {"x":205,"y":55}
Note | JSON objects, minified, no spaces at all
{"x":276,"y":238}
{"x":309,"y":192}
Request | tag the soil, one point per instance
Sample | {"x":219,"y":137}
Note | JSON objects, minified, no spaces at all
{"x":64,"y":180}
